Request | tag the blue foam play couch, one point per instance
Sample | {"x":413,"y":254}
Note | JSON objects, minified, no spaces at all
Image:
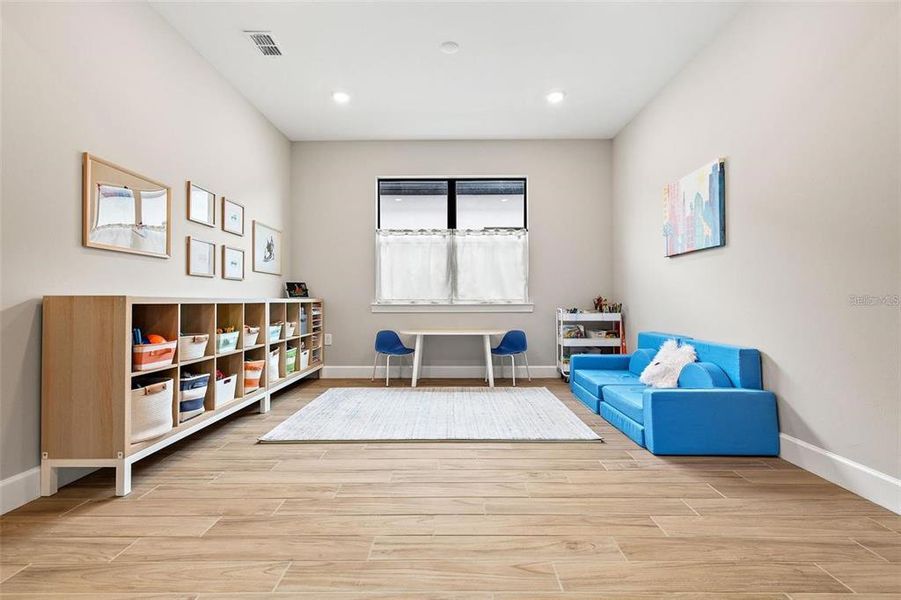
{"x":718,"y":408}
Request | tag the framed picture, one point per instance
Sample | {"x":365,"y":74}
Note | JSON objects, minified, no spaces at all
{"x":694,"y":210}
{"x":267,"y":249}
{"x":201,"y":205}
{"x":232,"y":216}
{"x":201,"y":258}
{"x":124,"y":211}
{"x":297,"y":289}
{"x":232,"y":263}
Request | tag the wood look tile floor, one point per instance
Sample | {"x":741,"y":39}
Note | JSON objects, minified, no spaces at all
{"x":221,"y":517}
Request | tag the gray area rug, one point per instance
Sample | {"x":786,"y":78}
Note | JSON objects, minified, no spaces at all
{"x":475,"y":413}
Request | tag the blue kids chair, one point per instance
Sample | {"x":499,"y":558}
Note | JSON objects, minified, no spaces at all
{"x":387,"y":342}
{"x":513,"y":343}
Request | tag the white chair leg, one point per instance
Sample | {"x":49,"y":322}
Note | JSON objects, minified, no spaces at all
{"x":526,"y":358}
{"x":387,"y":369}
{"x":374,"y":364}
{"x":513,"y":368}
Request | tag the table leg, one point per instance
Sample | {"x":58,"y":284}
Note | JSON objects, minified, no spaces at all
{"x":417,"y":359}
{"x":488,"y":361}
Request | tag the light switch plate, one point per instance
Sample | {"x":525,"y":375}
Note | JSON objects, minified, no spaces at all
{"x":328,"y":339}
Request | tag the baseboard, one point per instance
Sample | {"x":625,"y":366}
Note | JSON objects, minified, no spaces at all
{"x":864,"y":481}
{"x":26,"y":486}
{"x":435,"y":371}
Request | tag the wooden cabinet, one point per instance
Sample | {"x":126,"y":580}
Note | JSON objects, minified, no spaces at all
{"x":88,"y":375}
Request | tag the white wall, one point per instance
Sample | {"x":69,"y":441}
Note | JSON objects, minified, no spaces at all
{"x":803,"y":102}
{"x":334,"y":203}
{"x":115,"y":80}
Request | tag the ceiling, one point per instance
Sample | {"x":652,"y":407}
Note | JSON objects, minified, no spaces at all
{"x":609,"y":58}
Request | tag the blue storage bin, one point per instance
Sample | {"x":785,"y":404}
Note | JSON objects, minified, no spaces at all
{"x":187,"y":405}
{"x":192,"y":387}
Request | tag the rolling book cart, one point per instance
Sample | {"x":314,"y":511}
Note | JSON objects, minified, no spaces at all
{"x":582,"y":332}
{"x":109,"y":402}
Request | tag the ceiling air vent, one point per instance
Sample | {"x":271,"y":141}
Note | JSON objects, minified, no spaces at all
{"x":264,"y":42}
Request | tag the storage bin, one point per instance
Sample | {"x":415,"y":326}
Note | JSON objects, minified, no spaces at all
{"x":190,"y":405}
{"x":304,"y":359}
{"x":275,"y":332}
{"x":290,"y":328}
{"x":151,"y":410}
{"x":192,"y":345}
{"x":225,"y":390}
{"x":250,"y":335}
{"x":303,"y":322}
{"x":191,"y":387}
{"x":188,"y":409}
{"x":253,"y":372}
{"x":226,"y":342}
{"x":274,"y":356}
{"x":290,"y":360}
{"x":151,"y":356}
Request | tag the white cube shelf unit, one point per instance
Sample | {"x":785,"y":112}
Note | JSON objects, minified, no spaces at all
{"x":603,"y":333}
{"x":88,"y":375}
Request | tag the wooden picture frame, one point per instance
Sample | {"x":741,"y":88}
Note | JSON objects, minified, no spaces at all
{"x":201,"y":205}
{"x":231,"y":212}
{"x":201,"y":258}
{"x":267,"y":249}
{"x":228,"y":270}
{"x":148,"y":231}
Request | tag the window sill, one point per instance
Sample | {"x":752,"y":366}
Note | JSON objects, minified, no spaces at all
{"x":525,"y":307}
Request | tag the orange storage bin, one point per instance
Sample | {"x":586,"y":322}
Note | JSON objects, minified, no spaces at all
{"x":253,"y":372}
{"x":152,"y":356}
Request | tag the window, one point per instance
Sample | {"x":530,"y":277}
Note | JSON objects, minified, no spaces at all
{"x":452,"y":241}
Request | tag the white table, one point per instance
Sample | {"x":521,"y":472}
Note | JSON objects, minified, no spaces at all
{"x":420,"y":334}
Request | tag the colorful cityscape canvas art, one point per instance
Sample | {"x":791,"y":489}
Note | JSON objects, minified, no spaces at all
{"x":694,"y":210}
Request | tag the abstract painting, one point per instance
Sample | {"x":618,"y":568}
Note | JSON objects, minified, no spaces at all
{"x":694,"y":210}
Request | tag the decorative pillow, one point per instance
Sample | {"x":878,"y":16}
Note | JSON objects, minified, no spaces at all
{"x":663,"y":372}
{"x":641,"y":358}
{"x":703,"y":375}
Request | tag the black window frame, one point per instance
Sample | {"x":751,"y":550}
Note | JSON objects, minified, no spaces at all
{"x":452,"y":196}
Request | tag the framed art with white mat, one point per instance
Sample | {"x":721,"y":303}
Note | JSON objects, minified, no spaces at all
{"x":232,"y":217}
{"x":201,"y":258}
{"x":267,"y":249}
{"x":201,"y":205}
{"x":232,"y":263}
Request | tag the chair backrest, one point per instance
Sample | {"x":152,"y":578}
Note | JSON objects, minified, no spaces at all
{"x":387,"y":340}
{"x":514,"y":341}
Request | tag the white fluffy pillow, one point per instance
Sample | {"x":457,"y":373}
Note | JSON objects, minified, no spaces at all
{"x":663,"y":371}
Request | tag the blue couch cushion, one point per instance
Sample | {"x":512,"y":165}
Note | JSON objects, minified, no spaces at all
{"x":633,"y":430}
{"x":742,"y":365}
{"x":627,"y":399}
{"x":594,"y":380}
{"x":703,"y":375}
{"x":655,"y":339}
{"x":641,"y":358}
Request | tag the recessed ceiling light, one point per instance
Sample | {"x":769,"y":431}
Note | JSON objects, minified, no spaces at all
{"x":504,"y":199}
{"x":398,"y":199}
{"x":450,"y":47}
{"x":555,"y":97}
{"x":341,"y":97}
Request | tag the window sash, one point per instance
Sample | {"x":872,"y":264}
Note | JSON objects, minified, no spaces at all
{"x":514,"y":187}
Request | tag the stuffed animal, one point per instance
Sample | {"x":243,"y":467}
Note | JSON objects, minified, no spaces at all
{"x":663,"y":371}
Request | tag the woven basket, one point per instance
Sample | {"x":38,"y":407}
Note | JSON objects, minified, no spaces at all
{"x":151,"y":410}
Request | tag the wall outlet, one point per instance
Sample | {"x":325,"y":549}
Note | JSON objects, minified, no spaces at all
{"x":328,"y":339}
